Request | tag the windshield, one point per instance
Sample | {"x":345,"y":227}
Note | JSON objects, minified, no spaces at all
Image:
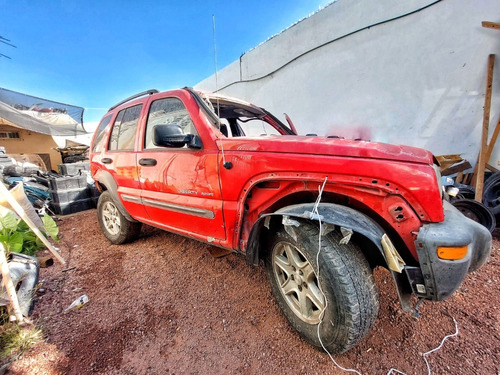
{"x":236,"y":118}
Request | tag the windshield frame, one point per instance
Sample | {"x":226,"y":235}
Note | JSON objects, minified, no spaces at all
{"x":267,"y":116}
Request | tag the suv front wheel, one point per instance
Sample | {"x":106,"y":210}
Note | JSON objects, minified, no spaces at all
{"x":348,"y":294}
{"x":116,"y":227}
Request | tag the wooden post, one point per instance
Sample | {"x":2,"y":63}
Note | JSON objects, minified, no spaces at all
{"x":19,"y":210}
{"x":9,"y":286}
{"x":493,"y":140}
{"x":491,"y":25}
{"x":484,"y":138}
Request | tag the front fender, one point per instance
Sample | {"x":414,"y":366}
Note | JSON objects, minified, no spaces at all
{"x":338,"y":215}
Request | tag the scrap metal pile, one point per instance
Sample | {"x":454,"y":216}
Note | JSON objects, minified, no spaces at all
{"x":458,"y":185}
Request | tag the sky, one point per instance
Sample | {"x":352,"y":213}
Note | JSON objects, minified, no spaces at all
{"x":96,"y":53}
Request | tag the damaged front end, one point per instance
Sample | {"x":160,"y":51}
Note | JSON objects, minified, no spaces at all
{"x":434,"y":278}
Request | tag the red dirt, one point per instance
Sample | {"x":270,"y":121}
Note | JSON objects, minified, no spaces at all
{"x":164,"y":305}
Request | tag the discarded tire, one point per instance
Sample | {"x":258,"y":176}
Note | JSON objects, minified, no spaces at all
{"x":465,"y":191}
{"x":491,"y":193}
{"x":476,"y":211}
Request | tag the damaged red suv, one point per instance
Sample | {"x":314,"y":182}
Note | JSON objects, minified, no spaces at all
{"x":320,"y":212}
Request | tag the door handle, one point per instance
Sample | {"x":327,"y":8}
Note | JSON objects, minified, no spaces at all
{"x":147,"y":162}
{"x":106,"y":160}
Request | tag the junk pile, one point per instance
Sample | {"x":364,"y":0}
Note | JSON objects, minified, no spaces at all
{"x":19,"y":272}
{"x":69,"y":191}
{"x":461,"y":192}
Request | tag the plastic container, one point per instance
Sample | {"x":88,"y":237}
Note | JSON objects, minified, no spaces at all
{"x":72,"y":169}
{"x":67,"y":183}
{"x":67,"y":196}
{"x":71,"y":207}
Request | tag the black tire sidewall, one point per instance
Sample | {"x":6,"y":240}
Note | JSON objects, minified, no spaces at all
{"x":339,"y":329}
{"x":127,"y":228}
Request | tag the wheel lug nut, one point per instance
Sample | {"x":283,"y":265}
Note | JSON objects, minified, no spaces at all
{"x":300,"y":288}
{"x":301,"y":273}
{"x":305,"y":285}
{"x":292,"y":277}
{"x":293,"y":268}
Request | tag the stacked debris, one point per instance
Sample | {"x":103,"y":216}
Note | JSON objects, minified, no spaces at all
{"x":458,"y":185}
{"x":73,"y":190}
{"x":69,"y":191}
{"x":5,"y":160}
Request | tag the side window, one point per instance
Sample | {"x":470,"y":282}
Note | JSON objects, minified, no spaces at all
{"x":100,"y":132}
{"x":167,"y":111}
{"x":124,"y":129}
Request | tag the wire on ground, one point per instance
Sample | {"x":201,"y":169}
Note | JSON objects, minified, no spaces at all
{"x":321,"y":315}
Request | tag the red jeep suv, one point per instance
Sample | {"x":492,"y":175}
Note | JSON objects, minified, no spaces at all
{"x":320,"y":212}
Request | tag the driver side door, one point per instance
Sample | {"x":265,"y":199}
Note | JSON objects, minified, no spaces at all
{"x":179,"y":185}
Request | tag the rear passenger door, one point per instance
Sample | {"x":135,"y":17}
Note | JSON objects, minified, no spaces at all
{"x":119,"y":158}
{"x":180,"y":186}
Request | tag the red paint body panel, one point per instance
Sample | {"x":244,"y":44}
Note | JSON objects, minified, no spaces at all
{"x":190,"y":192}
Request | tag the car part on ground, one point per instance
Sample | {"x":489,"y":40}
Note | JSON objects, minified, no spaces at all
{"x":24,"y":273}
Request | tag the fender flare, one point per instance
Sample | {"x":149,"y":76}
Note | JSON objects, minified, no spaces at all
{"x":338,"y":215}
{"x":105,"y":178}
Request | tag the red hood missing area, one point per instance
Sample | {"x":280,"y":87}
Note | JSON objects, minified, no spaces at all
{"x":328,"y":146}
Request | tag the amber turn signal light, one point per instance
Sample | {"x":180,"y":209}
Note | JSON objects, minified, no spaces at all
{"x":452,"y":253}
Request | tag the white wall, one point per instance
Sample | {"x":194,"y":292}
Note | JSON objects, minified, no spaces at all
{"x":418,"y":80}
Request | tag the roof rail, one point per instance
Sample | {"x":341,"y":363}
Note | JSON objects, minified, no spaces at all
{"x":147,"y":92}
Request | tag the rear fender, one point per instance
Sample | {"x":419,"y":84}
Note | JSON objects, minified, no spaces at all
{"x":349,"y":220}
{"x":106,"y":179}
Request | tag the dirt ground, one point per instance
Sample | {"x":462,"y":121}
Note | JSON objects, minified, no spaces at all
{"x":164,"y":305}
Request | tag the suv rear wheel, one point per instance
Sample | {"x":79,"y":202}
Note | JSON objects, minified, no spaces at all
{"x":116,"y":227}
{"x":346,"y":279}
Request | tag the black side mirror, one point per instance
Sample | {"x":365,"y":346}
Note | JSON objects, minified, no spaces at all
{"x":172,"y":135}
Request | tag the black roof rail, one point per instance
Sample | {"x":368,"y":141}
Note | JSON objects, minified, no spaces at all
{"x":147,"y":92}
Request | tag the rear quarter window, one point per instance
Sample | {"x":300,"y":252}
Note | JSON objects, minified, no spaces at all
{"x":100,"y":133}
{"x":124,"y":129}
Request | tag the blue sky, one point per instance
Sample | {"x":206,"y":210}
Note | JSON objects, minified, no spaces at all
{"x":95,"y":53}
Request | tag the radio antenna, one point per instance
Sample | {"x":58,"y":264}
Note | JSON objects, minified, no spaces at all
{"x":226,"y":164}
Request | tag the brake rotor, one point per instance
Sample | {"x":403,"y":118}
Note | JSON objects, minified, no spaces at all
{"x":476,"y":211}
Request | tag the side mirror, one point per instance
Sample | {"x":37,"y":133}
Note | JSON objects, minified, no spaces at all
{"x":172,"y":135}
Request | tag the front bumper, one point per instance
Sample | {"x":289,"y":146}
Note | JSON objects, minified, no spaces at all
{"x":439,"y":278}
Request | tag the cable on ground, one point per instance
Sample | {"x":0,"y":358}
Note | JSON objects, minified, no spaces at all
{"x":321,"y":315}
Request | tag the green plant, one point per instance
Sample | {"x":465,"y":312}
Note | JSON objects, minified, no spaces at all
{"x":17,"y":237}
{"x":15,"y":340}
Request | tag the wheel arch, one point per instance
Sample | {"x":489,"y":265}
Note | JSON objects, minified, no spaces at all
{"x":364,"y":231}
{"x":105,"y":181}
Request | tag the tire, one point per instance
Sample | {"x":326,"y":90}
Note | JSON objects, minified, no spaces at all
{"x":115,"y":227}
{"x":346,"y":280}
